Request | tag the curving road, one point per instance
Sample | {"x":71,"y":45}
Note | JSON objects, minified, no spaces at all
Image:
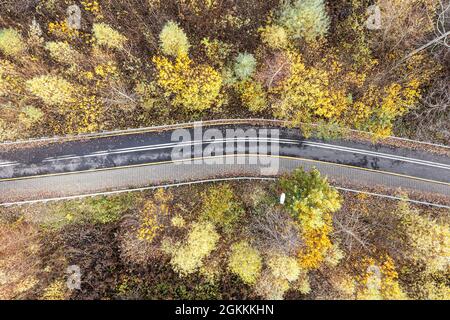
{"x":127,"y":160}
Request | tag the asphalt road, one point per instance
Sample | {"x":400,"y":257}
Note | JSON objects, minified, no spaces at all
{"x":76,"y":167}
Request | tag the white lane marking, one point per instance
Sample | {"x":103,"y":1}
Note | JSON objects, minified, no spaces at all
{"x":246,"y":139}
{"x":8,"y":164}
{"x":165,"y":146}
{"x":378,"y":154}
{"x":285,"y":141}
{"x":169,"y":145}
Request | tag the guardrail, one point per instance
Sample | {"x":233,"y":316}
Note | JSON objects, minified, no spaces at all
{"x":180,"y":184}
{"x":191,"y":124}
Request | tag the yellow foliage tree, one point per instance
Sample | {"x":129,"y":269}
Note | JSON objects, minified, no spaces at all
{"x":107,"y":36}
{"x":187,"y":258}
{"x":423,"y":241}
{"x":10,"y":80}
{"x":378,"y":280}
{"x":194,"y":87}
{"x":253,"y":95}
{"x":377,"y":109}
{"x":53,"y":90}
{"x":173,"y":40}
{"x":153,"y":215}
{"x":307,"y":95}
{"x":311,"y":201}
{"x":11,"y":42}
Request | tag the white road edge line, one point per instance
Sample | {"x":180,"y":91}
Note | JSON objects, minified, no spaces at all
{"x":381,"y":155}
{"x":285,"y":141}
{"x":19,"y":203}
{"x":168,"y":145}
{"x":206,"y":123}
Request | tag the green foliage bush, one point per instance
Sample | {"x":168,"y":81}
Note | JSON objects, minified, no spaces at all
{"x":100,"y":210}
{"x":173,"y":40}
{"x":244,"y":66}
{"x":106,"y":209}
{"x":305,"y":19}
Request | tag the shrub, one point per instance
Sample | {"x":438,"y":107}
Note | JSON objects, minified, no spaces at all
{"x":178,"y":221}
{"x":62,"y":52}
{"x":334,"y":256}
{"x":274,"y":70}
{"x":100,"y":210}
{"x":253,"y":95}
{"x":53,"y":90}
{"x":150,"y":225}
{"x":245,"y":262}
{"x":106,"y":209}
{"x":35,"y":34}
{"x":384,"y":285}
{"x":244,"y":66}
{"x":84,"y":115}
{"x":55,"y":291}
{"x":173,"y":40}
{"x":20,"y":259}
{"x":219,"y":207}
{"x":284,"y":267}
{"x":10,"y":81}
{"x":154,"y":216}
{"x":423,"y":242}
{"x":305,"y":19}
{"x":107,"y":36}
{"x":7,"y":133}
{"x":270,"y":287}
{"x":30,"y":115}
{"x":188,"y":258}
{"x":275,"y":230}
{"x":195,"y":88}
{"x":216,"y":51}
{"x":11,"y":42}
{"x":136,"y":251}
{"x":275,"y":37}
